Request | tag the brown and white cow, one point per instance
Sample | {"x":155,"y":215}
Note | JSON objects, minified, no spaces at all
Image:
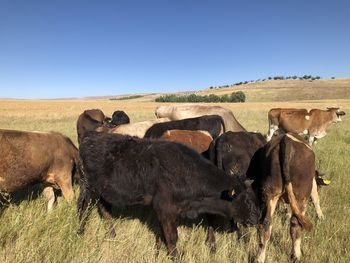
{"x":284,"y":169}
{"x":313,"y":123}
{"x":179,"y":112}
{"x":197,"y":140}
{"x":37,"y":157}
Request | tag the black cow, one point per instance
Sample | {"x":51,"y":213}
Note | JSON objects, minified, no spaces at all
{"x":232,"y":152}
{"x":119,"y":117}
{"x":173,"y":179}
{"x":213,"y":124}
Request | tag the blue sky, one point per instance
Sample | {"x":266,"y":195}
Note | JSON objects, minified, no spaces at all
{"x":53,"y":49}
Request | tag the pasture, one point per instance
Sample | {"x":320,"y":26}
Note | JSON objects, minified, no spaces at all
{"x":29,"y":234}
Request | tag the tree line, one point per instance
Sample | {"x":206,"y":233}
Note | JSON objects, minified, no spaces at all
{"x":281,"y":77}
{"x":238,"y":96}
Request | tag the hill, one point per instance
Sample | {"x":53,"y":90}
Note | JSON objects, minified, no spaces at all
{"x":289,"y":90}
{"x":267,"y":91}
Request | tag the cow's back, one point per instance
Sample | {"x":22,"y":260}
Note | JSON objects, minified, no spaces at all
{"x":295,"y":121}
{"x":179,"y":112}
{"x":196,"y":140}
{"x":133,"y":168}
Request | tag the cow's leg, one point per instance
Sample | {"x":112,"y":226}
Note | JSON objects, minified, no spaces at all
{"x":295,"y":233}
{"x":104,"y":209}
{"x":210,"y":240}
{"x":316,"y":200}
{"x":264,"y":229}
{"x":168,"y":219}
{"x":65,"y":184}
{"x":50,"y":196}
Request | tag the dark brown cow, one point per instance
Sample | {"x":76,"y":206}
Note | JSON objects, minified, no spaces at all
{"x":89,"y":120}
{"x":313,"y":123}
{"x":285,"y":168}
{"x":232,"y":151}
{"x":213,"y":124}
{"x":37,"y":157}
{"x":197,"y":140}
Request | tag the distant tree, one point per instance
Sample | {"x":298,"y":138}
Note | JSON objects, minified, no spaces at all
{"x":294,"y":77}
{"x":317,"y":77}
{"x":269,"y":78}
{"x":332,"y":77}
{"x":238,"y":96}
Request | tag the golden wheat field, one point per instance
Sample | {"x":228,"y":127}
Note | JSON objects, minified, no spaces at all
{"x":29,"y":234}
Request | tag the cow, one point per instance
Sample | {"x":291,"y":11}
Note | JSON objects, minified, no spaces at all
{"x":197,"y":140}
{"x":173,"y":179}
{"x":137,"y":129}
{"x":119,"y":117}
{"x":89,"y":120}
{"x":313,"y":123}
{"x":29,"y":158}
{"x":213,"y":124}
{"x":233,"y":151}
{"x":95,"y":120}
{"x":179,"y":112}
{"x":283,"y":169}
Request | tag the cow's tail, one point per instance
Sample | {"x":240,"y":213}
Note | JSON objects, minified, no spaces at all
{"x":85,"y":194}
{"x":74,"y":152}
{"x":286,"y":152}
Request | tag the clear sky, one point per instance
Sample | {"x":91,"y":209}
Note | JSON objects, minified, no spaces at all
{"x":65,"y":48}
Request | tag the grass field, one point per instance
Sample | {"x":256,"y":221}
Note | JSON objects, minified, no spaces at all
{"x":29,"y":234}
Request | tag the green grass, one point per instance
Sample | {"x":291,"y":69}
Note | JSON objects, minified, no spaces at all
{"x":29,"y":234}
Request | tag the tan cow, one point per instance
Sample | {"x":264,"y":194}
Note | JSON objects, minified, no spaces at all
{"x":179,"y":112}
{"x":197,"y":140}
{"x":313,"y":123}
{"x":37,"y":157}
{"x":137,"y":129}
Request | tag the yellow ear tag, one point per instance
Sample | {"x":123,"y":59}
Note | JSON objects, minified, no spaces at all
{"x":326,"y":182}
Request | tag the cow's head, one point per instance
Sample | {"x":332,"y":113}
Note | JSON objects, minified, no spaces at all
{"x":246,"y":207}
{"x":336,"y":113}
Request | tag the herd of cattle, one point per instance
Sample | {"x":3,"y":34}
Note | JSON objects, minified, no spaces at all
{"x":190,"y":160}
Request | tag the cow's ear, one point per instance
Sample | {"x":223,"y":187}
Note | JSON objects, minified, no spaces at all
{"x":340,"y":113}
{"x":95,"y":115}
